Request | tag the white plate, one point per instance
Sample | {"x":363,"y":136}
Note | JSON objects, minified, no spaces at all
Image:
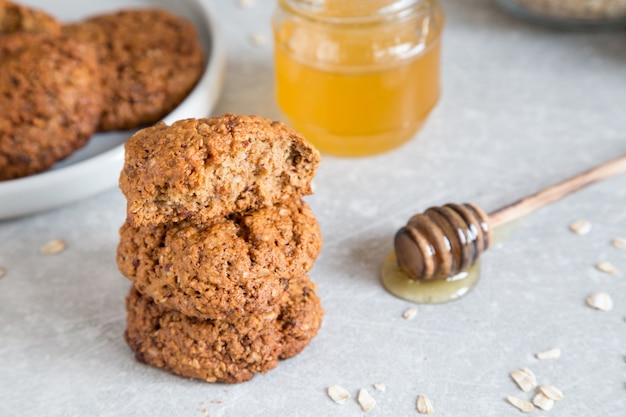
{"x":97,"y":166}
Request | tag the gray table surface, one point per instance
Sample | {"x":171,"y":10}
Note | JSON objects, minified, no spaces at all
{"x":522,"y":108}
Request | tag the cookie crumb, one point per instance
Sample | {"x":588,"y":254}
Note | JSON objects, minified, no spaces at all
{"x":551,"y":392}
{"x":365,"y":400}
{"x":607,"y":268}
{"x":619,"y":243}
{"x":600,"y":301}
{"x":543,"y":402}
{"x":338,"y":394}
{"x":525,"y":379}
{"x":2,"y":272}
{"x":258,"y":39}
{"x":409,"y":313}
{"x":522,"y":405}
{"x":424,"y":406}
{"x":548,"y":354}
{"x":380,"y":386}
{"x":580,"y":227}
{"x":53,"y":247}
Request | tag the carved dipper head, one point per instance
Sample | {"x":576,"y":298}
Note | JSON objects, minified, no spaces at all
{"x":443,"y":241}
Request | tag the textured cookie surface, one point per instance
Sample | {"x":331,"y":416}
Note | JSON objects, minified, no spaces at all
{"x":50,"y":100}
{"x":18,"y":18}
{"x":197,"y":169}
{"x":229,"y":267}
{"x":223,"y":351}
{"x":150,"y":60}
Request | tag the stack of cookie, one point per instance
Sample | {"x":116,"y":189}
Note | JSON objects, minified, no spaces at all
{"x":60,"y":84}
{"x":218,"y":242}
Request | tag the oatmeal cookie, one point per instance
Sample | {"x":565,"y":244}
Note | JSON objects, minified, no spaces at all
{"x":150,"y":60}
{"x":229,"y":267}
{"x":50,"y":100}
{"x":13,"y":43}
{"x":197,"y":169}
{"x":223,"y":351}
{"x":18,"y":18}
{"x":300,"y":316}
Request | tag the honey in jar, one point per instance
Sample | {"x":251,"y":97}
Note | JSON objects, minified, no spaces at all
{"x":357,"y":77}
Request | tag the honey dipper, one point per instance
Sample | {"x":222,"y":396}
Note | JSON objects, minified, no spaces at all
{"x":445,"y":242}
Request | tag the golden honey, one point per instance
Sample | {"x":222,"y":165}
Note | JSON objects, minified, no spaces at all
{"x":357,"y":77}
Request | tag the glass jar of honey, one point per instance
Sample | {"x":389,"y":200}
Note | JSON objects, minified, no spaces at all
{"x":357,"y":77}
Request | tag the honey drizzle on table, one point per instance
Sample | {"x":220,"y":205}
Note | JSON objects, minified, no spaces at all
{"x":436,"y":291}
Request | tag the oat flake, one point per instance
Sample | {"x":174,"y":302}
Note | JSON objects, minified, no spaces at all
{"x":551,"y":392}
{"x":543,"y":402}
{"x":522,"y":405}
{"x":258,"y":39}
{"x":548,"y":354}
{"x":600,"y":301}
{"x":365,"y":400}
{"x":409,"y":313}
{"x":246,"y":4}
{"x":338,"y":394}
{"x":424,"y":406}
{"x":525,"y":379}
{"x":607,"y":268}
{"x":580,"y":227}
{"x":619,"y":243}
{"x":53,"y":247}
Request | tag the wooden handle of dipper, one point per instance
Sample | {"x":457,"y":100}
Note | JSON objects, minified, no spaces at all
{"x":526,"y":205}
{"x":444,"y":241}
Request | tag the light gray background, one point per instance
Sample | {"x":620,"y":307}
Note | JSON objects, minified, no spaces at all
{"x":522,"y":108}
